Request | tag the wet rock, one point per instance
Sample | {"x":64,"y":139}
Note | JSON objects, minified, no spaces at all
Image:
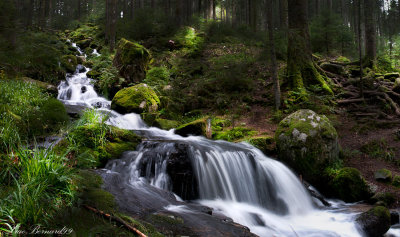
{"x":375,"y":222}
{"x":83,"y":89}
{"x":136,"y":99}
{"x":308,"y":143}
{"x":383,"y":175}
{"x":394,"y":218}
{"x":80,"y":68}
{"x":93,"y":74}
{"x":265,"y":143}
{"x":166,"y":124}
{"x":83,"y":44}
{"x":132,"y":60}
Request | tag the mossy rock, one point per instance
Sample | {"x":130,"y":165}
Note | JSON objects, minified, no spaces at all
{"x":265,"y":143}
{"x":383,"y":175}
{"x":132,"y":60}
{"x":308,"y":143}
{"x":333,"y":68}
{"x":195,"y":128}
{"x":136,"y":99}
{"x":386,"y":198}
{"x":115,"y":149}
{"x":166,"y":124}
{"x":83,"y":44}
{"x":375,"y":222}
{"x":69,"y":63}
{"x":392,"y":75}
{"x":53,"y":114}
{"x":349,"y":185}
{"x":93,"y":74}
{"x":396,"y":181}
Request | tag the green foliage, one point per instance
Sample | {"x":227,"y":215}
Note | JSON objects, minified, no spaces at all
{"x":329,"y":34}
{"x":379,"y":149}
{"x":157,"y":77}
{"x":42,"y":184}
{"x":191,"y":41}
{"x":234,"y":134}
{"x":342,"y":59}
{"x":26,"y":111}
{"x":384,"y":64}
{"x":110,"y":81}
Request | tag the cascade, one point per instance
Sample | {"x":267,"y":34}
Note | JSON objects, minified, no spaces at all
{"x":236,"y":180}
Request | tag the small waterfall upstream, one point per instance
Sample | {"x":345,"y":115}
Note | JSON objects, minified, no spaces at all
{"x":236,"y":180}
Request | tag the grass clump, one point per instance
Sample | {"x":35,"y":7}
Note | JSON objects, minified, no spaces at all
{"x":41,"y":184}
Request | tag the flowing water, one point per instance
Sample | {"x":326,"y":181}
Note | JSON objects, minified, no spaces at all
{"x":236,"y":180}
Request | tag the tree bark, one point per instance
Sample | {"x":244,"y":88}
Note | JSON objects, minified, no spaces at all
{"x":275,"y":79}
{"x":300,"y":67}
{"x":370,"y":31}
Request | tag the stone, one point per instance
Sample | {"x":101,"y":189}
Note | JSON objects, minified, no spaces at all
{"x":385,"y":198}
{"x":375,"y":222}
{"x":132,"y":60}
{"x":196,"y":128}
{"x":265,"y":143}
{"x":348,"y":185}
{"x":166,"y":124}
{"x":383,"y":175}
{"x":394,"y":218}
{"x":333,"y":68}
{"x":308,"y":143}
{"x":136,"y":99}
{"x":93,"y":74}
{"x":69,"y":62}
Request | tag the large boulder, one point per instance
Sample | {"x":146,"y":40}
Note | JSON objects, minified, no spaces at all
{"x":375,"y":222}
{"x":348,"y":185}
{"x":308,"y":143}
{"x":132,"y":60}
{"x":136,"y":99}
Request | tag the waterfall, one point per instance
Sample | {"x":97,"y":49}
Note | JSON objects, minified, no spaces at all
{"x":236,"y":180}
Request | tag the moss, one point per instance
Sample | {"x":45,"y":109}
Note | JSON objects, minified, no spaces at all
{"x":115,"y":149}
{"x":396,"y":181}
{"x":197,"y":128}
{"x":386,"y":198}
{"x":93,"y":74}
{"x":349,"y":185}
{"x":392,"y":75}
{"x":383,"y":175}
{"x":234,"y":134}
{"x":145,"y":228}
{"x":375,"y":222}
{"x":137,"y":99}
{"x":54,"y":114}
{"x":166,"y":124}
{"x":132,"y":60}
{"x":342,"y":59}
{"x":83,"y":44}
{"x":265,"y":143}
{"x":69,"y":62}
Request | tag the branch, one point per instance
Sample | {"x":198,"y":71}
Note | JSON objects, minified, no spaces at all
{"x":116,"y":219}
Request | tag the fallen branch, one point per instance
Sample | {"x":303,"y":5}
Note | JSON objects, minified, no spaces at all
{"x":116,"y":219}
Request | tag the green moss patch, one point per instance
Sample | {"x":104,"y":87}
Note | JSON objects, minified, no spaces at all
{"x":136,"y":99}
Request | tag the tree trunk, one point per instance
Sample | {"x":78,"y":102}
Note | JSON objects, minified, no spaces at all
{"x":300,"y":66}
{"x":370,"y":32}
{"x":275,"y":79}
{"x":283,"y":7}
{"x":360,"y":51}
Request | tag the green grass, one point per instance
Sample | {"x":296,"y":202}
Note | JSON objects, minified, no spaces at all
{"x":42,"y":184}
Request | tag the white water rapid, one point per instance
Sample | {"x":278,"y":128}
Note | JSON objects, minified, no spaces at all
{"x":236,"y":180}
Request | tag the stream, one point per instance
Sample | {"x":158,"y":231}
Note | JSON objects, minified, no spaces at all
{"x":210,"y":185}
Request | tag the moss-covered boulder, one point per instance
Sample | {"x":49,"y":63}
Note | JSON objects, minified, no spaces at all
{"x":375,"y":222}
{"x":308,"y":143}
{"x":383,"y":198}
{"x":333,"y":68}
{"x":93,"y":74}
{"x":132,"y":60}
{"x":383,"y":175}
{"x":69,"y":63}
{"x":196,"y":128}
{"x":265,"y":143}
{"x":120,"y":140}
{"x":166,"y":124}
{"x":396,"y":181}
{"x":136,"y":99}
{"x":348,"y":185}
